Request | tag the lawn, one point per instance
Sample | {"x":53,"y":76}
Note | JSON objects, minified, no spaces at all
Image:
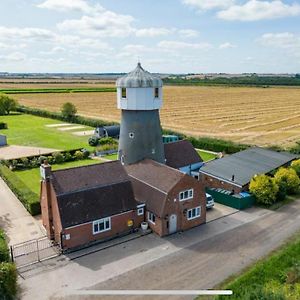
{"x":111,"y":156}
{"x":206,"y":156}
{"x":275,"y":277}
{"x":32,"y":177}
{"x":28,"y":130}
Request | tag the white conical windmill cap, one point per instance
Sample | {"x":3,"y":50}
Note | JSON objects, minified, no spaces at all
{"x":139,"y":78}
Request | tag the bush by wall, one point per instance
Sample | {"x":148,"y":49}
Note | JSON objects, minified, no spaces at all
{"x":29,"y":199}
{"x":4,"y":251}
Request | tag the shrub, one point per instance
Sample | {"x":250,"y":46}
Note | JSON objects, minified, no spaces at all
{"x":78,"y":155}
{"x":58,"y":158}
{"x":42,"y":159}
{"x":289,"y":179}
{"x":108,"y":141}
{"x":4,"y":251}
{"x":8,"y":281}
{"x":3,"y":125}
{"x":296,"y":166}
{"x":68,"y":156}
{"x":264,"y":188}
{"x":93,"y":141}
{"x":68,"y":110}
{"x":25,"y":162}
{"x":29,"y":199}
{"x":107,"y":147}
{"x":86,"y":153}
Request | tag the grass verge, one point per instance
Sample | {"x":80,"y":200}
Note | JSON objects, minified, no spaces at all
{"x":276,"y":276}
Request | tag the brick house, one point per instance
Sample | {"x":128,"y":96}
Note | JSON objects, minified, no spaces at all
{"x":86,"y":204}
{"x":174,"y":201}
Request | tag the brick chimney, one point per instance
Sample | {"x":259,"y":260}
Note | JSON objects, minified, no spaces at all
{"x":46,"y":199}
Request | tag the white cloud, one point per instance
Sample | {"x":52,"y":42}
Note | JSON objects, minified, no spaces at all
{"x":227,"y":45}
{"x":152,"y":32}
{"x":15,"y":56}
{"x":203,"y":5}
{"x":106,"y":23}
{"x":25,"y":33}
{"x":9,"y":46}
{"x":255,"y":10}
{"x":70,"y":5}
{"x":188,"y":33}
{"x":175,"y":45}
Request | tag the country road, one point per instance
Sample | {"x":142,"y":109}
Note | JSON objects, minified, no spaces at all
{"x":197,"y":259}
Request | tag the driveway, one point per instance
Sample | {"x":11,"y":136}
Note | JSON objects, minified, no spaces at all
{"x":198,"y":258}
{"x":18,"y":224}
{"x":219,"y":211}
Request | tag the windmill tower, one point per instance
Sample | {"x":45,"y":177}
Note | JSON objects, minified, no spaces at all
{"x":139,"y":96}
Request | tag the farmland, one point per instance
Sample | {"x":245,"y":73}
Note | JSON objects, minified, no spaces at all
{"x":261,"y":116}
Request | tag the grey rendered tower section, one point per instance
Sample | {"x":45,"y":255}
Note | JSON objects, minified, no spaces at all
{"x":140,"y":98}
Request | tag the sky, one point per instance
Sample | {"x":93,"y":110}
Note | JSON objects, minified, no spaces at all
{"x":168,"y":36}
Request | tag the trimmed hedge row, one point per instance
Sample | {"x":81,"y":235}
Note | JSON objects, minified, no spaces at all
{"x":8,"y":281}
{"x":58,"y":116}
{"x":53,"y":158}
{"x":8,"y":272}
{"x":29,"y":199}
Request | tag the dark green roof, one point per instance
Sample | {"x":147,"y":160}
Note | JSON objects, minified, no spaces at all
{"x":245,"y":164}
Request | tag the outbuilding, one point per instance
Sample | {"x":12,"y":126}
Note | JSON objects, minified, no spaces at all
{"x":234,"y":172}
{"x":3,"y":140}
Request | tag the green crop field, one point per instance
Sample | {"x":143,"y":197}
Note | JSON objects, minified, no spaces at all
{"x":28,"y":130}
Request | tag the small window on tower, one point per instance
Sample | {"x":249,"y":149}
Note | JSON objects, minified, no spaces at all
{"x":156,"y":92}
{"x":123,"y":92}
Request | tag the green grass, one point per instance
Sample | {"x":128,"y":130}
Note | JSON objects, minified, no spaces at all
{"x":31,"y":178}
{"x":275,"y":277}
{"x":56,"y":90}
{"x":206,"y":156}
{"x":28,"y":130}
{"x":111,"y":156}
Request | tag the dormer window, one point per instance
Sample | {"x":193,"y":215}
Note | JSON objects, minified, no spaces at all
{"x":124,"y":93}
{"x":156,"y":93}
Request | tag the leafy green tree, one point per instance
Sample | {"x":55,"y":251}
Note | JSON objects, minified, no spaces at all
{"x":264,"y":188}
{"x":68,"y":110}
{"x":7,"y":105}
{"x":296,"y":166}
{"x":289,"y":179}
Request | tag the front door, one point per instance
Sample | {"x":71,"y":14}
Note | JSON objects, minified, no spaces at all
{"x":172,"y":224}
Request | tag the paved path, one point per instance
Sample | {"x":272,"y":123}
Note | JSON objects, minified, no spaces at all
{"x":18,"y":224}
{"x":198,"y":258}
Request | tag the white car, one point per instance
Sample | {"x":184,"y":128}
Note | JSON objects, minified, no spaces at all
{"x":209,"y":201}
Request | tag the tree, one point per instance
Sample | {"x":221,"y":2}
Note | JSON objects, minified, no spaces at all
{"x":7,"y":104}
{"x":68,"y":110}
{"x":289,"y":179}
{"x":264,"y":188}
{"x":296,"y":166}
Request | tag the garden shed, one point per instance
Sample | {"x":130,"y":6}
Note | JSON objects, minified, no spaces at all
{"x":3,"y":140}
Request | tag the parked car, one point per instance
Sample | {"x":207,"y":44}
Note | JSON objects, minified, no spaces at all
{"x":210,"y":202}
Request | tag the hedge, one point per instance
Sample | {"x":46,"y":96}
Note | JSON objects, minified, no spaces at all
{"x":8,"y":281}
{"x":4,"y":251}
{"x":29,"y":199}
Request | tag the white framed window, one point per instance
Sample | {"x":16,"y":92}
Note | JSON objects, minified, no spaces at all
{"x":123,"y":93}
{"x":101,"y":225}
{"x":194,"y":213}
{"x":140,"y":211}
{"x":185,"y":195}
{"x":151,"y":217}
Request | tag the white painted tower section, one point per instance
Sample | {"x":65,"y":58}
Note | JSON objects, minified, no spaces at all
{"x":139,"y":96}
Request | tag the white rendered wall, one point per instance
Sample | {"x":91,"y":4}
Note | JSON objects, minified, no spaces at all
{"x":139,"y":99}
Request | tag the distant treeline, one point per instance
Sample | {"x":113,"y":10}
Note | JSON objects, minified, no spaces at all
{"x":252,"y":80}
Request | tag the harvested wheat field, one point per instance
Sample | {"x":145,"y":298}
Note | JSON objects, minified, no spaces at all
{"x":260,"y":116}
